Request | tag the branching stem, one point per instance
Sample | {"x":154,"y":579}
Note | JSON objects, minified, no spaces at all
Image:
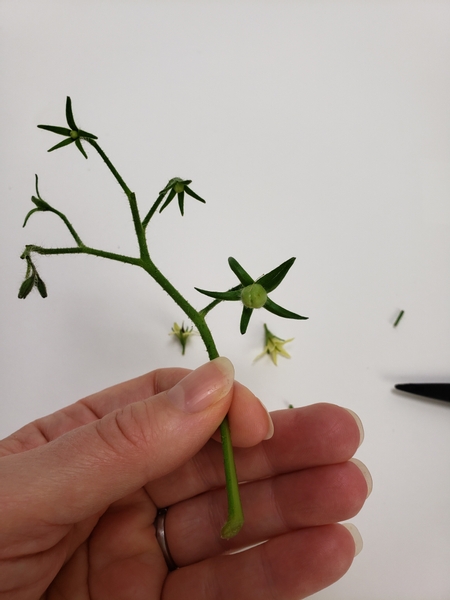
{"x":235,"y":515}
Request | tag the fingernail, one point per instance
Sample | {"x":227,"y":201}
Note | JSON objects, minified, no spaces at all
{"x":203,"y":387}
{"x":356,"y":537}
{"x":360,"y":425}
{"x":271,"y":428}
{"x":365,"y":471}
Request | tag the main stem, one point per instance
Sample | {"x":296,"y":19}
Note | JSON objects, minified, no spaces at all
{"x":235,"y":514}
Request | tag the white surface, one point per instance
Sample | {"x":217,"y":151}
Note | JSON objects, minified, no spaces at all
{"x":314,"y":129}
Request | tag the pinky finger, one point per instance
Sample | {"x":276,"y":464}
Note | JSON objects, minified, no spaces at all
{"x":290,"y":567}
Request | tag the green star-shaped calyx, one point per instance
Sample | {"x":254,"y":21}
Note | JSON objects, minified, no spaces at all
{"x":177,"y":187}
{"x":73,"y":134}
{"x":254,"y":293}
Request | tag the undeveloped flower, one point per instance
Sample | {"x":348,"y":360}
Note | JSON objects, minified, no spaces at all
{"x":182,"y":334}
{"x":274,"y":346}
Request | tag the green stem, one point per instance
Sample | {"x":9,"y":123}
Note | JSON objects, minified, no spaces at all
{"x":209,"y":307}
{"x":111,"y":167}
{"x":196,"y":318}
{"x":152,"y":211}
{"x":235,"y":515}
{"x":214,"y":303}
{"x":139,"y":229}
{"x":69,"y":226}
{"x":81,"y":250}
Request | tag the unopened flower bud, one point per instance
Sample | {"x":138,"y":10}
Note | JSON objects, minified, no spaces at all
{"x":26,"y":287}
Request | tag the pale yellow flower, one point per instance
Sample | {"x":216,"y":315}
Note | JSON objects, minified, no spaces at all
{"x":182,"y":334}
{"x":274,"y":346}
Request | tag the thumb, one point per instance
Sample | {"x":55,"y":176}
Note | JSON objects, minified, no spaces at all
{"x":82,"y":472}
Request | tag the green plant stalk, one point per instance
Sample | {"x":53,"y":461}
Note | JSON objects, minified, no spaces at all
{"x":139,"y":229}
{"x":69,"y":226}
{"x":235,"y":514}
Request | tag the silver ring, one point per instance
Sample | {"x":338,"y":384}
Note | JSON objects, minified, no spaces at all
{"x":160,"y":522}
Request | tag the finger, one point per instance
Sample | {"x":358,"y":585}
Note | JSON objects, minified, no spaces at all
{"x":272,"y":507}
{"x":249,"y":420}
{"x":314,"y":435}
{"x":122,"y":558}
{"x":91,"y":409}
{"x":85,"y":470}
{"x":289,"y":567}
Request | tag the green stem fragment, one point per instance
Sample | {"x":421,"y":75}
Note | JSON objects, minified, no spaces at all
{"x":398,"y":319}
{"x":235,"y":514}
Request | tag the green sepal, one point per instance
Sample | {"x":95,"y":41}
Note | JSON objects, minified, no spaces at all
{"x":55,"y":129}
{"x":69,"y":114}
{"x":33,"y":210}
{"x":168,"y":187}
{"x":36,"y":185}
{"x":86,"y":134}
{"x":245,"y":318}
{"x":26,"y":287}
{"x":272,"y":280}
{"x":41,"y":286}
{"x":181,"y":202}
{"x":65,"y":142}
{"x":80,"y":147}
{"x":280,"y":311}
{"x":193,"y":194}
{"x":230,"y":295}
{"x":240,"y":273}
{"x":169,"y":199}
{"x":41,"y":204}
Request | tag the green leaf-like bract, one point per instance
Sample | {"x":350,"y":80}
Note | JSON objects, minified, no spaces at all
{"x":245,"y":319}
{"x":280,"y":311}
{"x":69,"y":114}
{"x":272,"y":280}
{"x":240,"y":272}
{"x":230,"y":295}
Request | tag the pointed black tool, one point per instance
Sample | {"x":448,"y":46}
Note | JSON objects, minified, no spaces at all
{"x":437,"y":391}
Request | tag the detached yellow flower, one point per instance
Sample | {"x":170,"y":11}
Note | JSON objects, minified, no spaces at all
{"x":182,"y":334}
{"x":274,"y":346}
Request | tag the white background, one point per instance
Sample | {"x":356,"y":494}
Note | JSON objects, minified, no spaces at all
{"x":313,"y":129}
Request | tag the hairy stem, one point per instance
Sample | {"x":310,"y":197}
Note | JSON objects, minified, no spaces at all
{"x":152,"y":211}
{"x":139,"y":229}
{"x":81,"y":250}
{"x":235,"y":515}
{"x":69,"y":226}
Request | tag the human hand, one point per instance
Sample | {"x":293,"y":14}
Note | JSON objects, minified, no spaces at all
{"x":81,"y":489}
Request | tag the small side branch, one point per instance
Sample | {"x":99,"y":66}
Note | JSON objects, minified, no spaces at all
{"x":138,"y":227}
{"x":69,"y":226}
{"x":81,"y":250}
{"x":152,"y":211}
